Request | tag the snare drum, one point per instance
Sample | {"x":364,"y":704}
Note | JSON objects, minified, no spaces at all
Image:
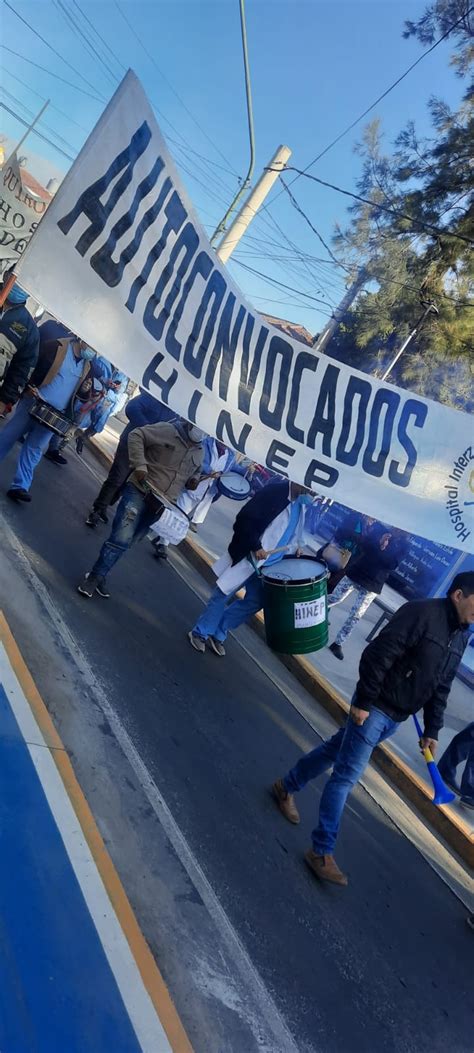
{"x":295,"y":605}
{"x":52,"y":418}
{"x":231,"y":484}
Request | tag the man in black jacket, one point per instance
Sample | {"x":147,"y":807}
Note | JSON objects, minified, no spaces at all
{"x":269,"y":519}
{"x":409,"y":666}
{"x":377,"y":554}
{"x":19,"y":346}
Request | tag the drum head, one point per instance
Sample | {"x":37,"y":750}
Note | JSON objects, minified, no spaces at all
{"x":295,"y":571}
{"x":233,"y":485}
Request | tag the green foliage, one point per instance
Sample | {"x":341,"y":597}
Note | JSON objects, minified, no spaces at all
{"x":416,"y":253}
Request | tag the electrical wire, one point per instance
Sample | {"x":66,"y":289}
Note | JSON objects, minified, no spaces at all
{"x":377,"y":100}
{"x":34,"y":131}
{"x":39,"y":96}
{"x":168,"y":82}
{"x":282,"y":285}
{"x":86,"y":43}
{"x":427,"y":228}
{"x":106,"y":47}
{"x":50,"y":73}
{"x":51,"y":48}
{"x":32,"y":115}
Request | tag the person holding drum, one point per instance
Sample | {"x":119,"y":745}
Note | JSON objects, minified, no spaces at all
{"x":269,"y":526}
{"x":42,"y":409}
{"x":163,"y":458}
{"x":221,"y":475}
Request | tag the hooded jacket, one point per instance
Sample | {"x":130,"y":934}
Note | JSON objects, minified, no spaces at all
{"x":19,"y":347}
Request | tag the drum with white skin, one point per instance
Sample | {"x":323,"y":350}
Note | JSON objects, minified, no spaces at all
{"x":233,"y":485}
{"x":295,"y":605}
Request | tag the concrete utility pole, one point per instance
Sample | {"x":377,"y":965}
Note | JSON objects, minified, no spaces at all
{"x":255,"y":199}
{"x":430,"y":308}
{"x":323,"y":339}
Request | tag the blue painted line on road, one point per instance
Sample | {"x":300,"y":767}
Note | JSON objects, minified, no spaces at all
{"x":57,"y":990}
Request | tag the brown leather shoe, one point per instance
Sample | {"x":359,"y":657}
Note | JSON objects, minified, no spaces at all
{"x":285,"y":802}
{"x":325,"y":868}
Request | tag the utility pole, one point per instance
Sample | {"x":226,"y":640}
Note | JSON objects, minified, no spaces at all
{"x":328,"y":332}
{"x":251,"y":206}
{"x":430,"y":308}
{"x":30,"y":128}
{"x":246,"y":182}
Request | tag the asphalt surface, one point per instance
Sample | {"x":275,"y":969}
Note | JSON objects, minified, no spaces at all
{"x":384,"y":965}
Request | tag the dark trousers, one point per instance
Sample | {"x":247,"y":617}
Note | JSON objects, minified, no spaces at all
{"x":461,"y":748}
{"x":113,"y":485}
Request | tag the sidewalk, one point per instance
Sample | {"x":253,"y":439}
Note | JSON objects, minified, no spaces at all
{"x":76,"y":973}
{"x":213,"y":535}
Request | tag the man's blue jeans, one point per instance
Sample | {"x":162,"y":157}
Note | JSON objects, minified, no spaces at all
{"x":37,"y":439}
{"x":347,"y":753}
{"x":132,"y":521}
{"x":220,"y":616}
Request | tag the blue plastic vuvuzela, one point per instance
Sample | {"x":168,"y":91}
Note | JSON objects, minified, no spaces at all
{"x":441,"y":793}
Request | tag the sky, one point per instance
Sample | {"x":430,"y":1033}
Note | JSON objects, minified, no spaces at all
{"x":314,"y":67}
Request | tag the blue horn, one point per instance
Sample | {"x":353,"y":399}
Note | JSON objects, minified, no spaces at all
{"x":442,"y":795}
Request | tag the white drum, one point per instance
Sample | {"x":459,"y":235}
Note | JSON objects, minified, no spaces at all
{"x":233,"y":485}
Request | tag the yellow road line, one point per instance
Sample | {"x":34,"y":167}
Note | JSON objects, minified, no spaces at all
{"x":147,"y":967}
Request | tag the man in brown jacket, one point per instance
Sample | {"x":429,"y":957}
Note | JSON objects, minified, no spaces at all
{"x":61,"y":369}
{"x":164,"y":458}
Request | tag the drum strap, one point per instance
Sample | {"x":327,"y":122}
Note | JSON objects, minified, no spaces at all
{"x":288,"y":534}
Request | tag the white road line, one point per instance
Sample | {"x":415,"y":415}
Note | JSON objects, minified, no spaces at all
{"x":137,"y":1002}
{"x":266,"y":1023}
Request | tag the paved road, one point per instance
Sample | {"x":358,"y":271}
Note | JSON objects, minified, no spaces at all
{"x":385,"y":965}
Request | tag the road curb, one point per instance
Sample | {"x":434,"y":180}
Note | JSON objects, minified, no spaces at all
{"x":449,"y":826}
{"x":445,"y":823}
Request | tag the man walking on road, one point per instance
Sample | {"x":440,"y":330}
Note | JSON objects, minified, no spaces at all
{"x":142,"y":410}
{"x":163,"y":458}
{"x":380,"y":553}
{"x":409,"y":666}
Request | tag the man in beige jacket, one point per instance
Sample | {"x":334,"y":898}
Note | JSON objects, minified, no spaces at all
{"x":163,"y":458}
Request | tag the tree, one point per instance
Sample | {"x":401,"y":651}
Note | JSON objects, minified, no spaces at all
{"x":415,"y":237}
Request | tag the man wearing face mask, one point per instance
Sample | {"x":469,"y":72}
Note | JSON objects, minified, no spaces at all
{"x":62,"y":367}
{"x":273,"y":519}
{"x":164,"y":458}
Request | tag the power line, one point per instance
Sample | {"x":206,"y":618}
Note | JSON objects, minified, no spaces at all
{"x":42,"y":124}
{"x":106,"y":46}
{"x":282,"y":285}
{"x":39,"y":96}
{"x":377,"y":100}
{"x":51,"y":48}
{"x":313,"y":228}
{"x":168,"y":82}
{"x":86,"y":43}
{"x":426,"y":227}
{"x":50,"y":73}
{"x":34,"y":131}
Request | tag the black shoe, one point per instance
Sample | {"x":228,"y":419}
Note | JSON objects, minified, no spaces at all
{"x":102,"y":589}
{"x":16,"y":494}
{"x":92,"y":519}
{"x":55,"y":456}
{"x":337,"y":651}
{"x":161,"y":551}
{"x":87,"y":586}
{"x":468,"y":802}
{"x":103,"y":516}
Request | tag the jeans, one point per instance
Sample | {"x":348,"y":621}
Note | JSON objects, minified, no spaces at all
{"x":220,"y":616}
{"x":348,"y":753}
{"x":363,"y":599}
{"x":132,"y":520}
{"x":118,"y":475}
{"x":37,"y":439}
{"x":461,"y":748}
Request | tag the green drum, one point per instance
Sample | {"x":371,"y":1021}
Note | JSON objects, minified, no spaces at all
{"x":295,"y":605}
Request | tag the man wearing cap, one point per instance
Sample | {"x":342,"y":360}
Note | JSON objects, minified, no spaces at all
{"x":19,"y":346}
{"x":62,"y":367}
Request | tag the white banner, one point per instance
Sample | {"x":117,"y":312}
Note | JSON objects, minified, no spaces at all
{"x":20,"y":213}
{"x":122,"y":259}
